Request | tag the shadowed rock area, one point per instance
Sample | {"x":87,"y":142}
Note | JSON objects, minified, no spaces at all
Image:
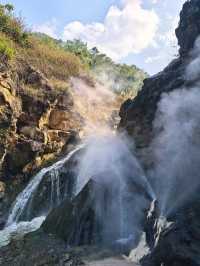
{"x":177,"y":243}
{"x":137,"y":115}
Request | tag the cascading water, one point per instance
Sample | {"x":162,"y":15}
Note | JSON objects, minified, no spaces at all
{"x":109,"y":162}
{"x":23,"y":204}
{"x":26,"y":196}
{"x":55,"y":187}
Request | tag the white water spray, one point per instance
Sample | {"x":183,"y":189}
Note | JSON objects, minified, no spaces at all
{"x":26,"y":195}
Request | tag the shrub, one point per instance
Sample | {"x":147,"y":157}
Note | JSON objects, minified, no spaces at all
{"x":7,"y":50}
{"x":54,"y":62}
{"x":12,"y":26}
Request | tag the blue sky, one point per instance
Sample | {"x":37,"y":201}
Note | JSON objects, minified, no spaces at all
{"x":137,"y":32}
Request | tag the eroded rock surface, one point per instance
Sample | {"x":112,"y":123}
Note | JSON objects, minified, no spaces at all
{"x":137,"y":115}
{"x":179,"y":243}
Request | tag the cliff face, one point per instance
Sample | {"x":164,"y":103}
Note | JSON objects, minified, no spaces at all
{"x":137,"y":115}
{"x":179,"y":244}
{"x":33,"y":129}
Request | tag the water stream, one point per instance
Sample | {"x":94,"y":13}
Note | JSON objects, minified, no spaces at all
{"x":106,"y":160}
{"x":27,"y":194}
{"x":16,"y":226}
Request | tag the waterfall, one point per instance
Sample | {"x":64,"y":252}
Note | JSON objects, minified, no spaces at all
{"x":24,"y":199}
{"x":118,"y":206}
{"x":55,"y":188}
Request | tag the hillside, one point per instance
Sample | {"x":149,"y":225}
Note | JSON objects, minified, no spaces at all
{"x":46,"y":89}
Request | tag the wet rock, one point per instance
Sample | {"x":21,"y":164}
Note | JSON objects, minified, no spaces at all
{"x":38,"y":249}
{"x":78,"y":225}
{"x":141,"y":251}
{"x":137,"y":116}
{"x":176,"y":238}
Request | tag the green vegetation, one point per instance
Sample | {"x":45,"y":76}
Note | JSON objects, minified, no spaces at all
{"x":51,"y":60}
{"x":43,"y":52}
{"x":60,"y":60}
{"x":123,"y":79}
{"x":12,"y":26}
{"x":7,"y":50}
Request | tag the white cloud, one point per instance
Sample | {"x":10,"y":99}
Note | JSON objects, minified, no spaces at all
{"x":127,"y":30}
{"x":48,"y":28}
{"x":167,"y":45}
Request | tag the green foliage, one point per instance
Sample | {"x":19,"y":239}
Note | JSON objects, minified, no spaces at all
{"x":61,"y":60}
{"x":12,"y":26}
{"x":80,"y":49}
{"x":7,"y":51}
{"x":123,"y":79}
{"x":51,"y":59}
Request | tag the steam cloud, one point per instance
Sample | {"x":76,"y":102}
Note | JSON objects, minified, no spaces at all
{"x":177,"y":146}
{"x":109,"y":161}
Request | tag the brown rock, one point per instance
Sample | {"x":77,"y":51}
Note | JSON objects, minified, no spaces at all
{"x":33,"y":133}
{"x":18,"y":157}
{"x":65,"y":101}
{"x":59,"y":120}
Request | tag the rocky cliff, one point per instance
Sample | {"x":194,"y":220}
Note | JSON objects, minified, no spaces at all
{"x":179,"y":244}
{"x":137,"y":115}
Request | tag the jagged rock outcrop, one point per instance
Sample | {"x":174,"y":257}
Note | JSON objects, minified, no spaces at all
{"x":137,"y":115}
{"x":38,"y":123}
{"x":189,"y":26}
{"x":179,"y":244}
{"x":32,"y":128}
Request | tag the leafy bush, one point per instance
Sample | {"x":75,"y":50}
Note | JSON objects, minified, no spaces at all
{"x":12,"y":26}
{"x":123,"y":79}
{"x":80,"y":49}
{"x":7,"y":50}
